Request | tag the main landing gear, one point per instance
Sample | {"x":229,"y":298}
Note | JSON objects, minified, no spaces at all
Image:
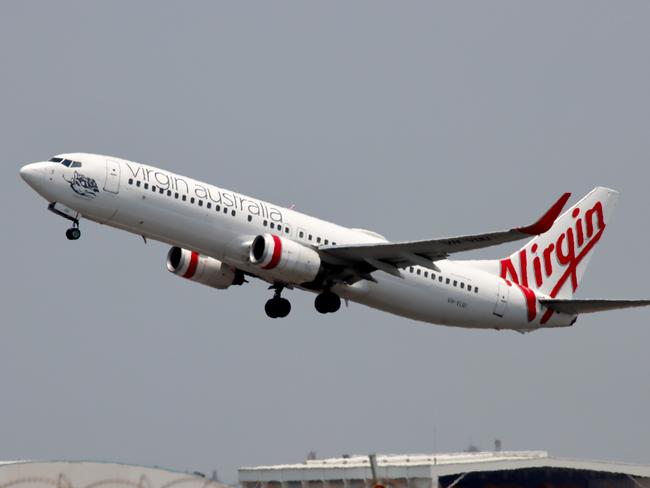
{"x":277,"y":307}
{"x":327,"y":302}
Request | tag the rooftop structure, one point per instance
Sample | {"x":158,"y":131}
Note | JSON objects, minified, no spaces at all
{"x":497,"y":469}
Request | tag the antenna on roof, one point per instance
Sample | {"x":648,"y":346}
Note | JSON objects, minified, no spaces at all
{"x":373,"y":469}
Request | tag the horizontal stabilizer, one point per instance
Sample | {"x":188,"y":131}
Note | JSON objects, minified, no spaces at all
{"x":574,"y":307}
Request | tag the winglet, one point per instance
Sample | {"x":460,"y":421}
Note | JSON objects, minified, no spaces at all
{"x":547,"y":220}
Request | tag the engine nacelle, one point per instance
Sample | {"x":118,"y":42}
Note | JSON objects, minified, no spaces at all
{"x":202,"y":269}
{"x":289,"y":261}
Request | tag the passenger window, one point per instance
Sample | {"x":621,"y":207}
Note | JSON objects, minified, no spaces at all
{"x":265,"y":223}
{"x":433,"y":277}
{"x":333,"y":243}
{"x":130,"y":181}
{"x":153,"y":188}
{"x":146,"y":186}
{"x":137,"y":183}
{"x":318,"y":240}
{"x":200,"y":203}
{"x":309,"y":238}
{"x":272,"y":225}
{"x":411,"y":269}
{"x":233,"y":213}
{"x":418,"y":271}
{"x":462,"y":285}
{"x":301,"y":234}
{"x":162,"y":190}
{"x":469,"y":287}
{"x":447,"y":281}
{"x":209,"y":205}
{"x":326,"y":241}
{"x":176,"y":196}
{"x":286,"y":230}
{"x":455,"y":283}
{"x":440,"y":279}
{"x":250,"y":218}
{"x":476,"y":289}
{"x":169,"y":193}
{"x":217,"y":208}
{"x":184,"y":198}
{"x":192,"y":200}
{"x":426,"y":274}
{"x":225,"y":210}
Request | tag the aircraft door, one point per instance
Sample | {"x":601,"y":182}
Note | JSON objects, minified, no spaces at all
{"x":502,"y":298}
{"x":112,"y":184}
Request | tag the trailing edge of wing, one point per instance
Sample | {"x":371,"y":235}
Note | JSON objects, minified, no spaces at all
{"x":575,"y":307}
{"x":402,"y":254}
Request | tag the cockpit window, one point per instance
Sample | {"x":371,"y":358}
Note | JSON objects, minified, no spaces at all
{"x":67,"y":162}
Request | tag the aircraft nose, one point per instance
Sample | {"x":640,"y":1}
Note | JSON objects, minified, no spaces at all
{"x":33,"y":173}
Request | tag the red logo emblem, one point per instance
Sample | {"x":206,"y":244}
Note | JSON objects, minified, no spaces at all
{"x":566,"y":253}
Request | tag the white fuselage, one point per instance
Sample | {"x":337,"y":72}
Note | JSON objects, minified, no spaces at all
{"x":219,"y":223}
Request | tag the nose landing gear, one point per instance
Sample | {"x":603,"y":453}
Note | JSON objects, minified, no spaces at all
{"x":73,"y":233}
{"x":277,"y":307}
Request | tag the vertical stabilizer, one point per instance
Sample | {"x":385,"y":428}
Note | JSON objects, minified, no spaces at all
{"x":553,"y":263}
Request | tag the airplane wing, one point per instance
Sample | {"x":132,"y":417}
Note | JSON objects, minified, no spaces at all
{"x":575,"y":307}
{"x":389,"y":256}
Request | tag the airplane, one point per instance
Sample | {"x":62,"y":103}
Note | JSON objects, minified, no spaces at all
{"x":219,"y":238}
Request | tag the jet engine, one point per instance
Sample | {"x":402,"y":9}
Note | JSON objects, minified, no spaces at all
{"x":287,"y":260}
{"x":202,"y":269}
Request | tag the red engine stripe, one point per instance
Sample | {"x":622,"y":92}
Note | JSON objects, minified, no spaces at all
{"x":194,"y":262}
{"x":277,"y":253}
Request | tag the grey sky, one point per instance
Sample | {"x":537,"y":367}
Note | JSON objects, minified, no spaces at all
{"x":413,"y":119}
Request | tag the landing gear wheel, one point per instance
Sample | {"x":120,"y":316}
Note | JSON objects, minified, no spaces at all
{"x":284,"y":307}
{"x":271,"y":308}
{"x":73,"y":233}
{"x":321,"y":303}
{"x":334,"y":302}
{"x":277,"y":307}
{"x":327,"y":302}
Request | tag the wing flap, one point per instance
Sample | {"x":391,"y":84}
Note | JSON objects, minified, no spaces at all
{"x":575,"y":307}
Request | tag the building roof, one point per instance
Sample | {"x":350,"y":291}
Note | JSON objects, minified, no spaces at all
{"x":428,"y":466}
{"x":80,"y":474}
{"x":408,"y":459}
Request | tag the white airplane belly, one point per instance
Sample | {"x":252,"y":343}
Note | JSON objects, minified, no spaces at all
{"x":439,"y":303}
